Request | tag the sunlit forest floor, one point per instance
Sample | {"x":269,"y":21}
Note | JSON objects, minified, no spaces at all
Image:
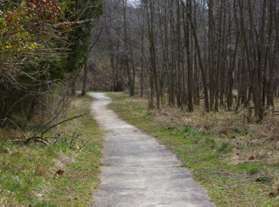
{"x":236,"y":161}
{"x":61,"y":174}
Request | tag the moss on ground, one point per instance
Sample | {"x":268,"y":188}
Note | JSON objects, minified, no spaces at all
{"x":228,"y":185}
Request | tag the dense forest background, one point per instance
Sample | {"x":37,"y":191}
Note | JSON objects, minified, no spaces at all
{"x":221,"y":54}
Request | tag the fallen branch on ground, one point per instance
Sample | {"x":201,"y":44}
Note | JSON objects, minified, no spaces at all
{"x":40,"y":138}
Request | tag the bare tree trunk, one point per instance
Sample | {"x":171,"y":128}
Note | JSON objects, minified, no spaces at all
{"x":84,"y":80}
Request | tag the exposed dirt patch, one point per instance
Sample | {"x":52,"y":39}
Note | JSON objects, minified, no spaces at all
{"x":61,"y":163}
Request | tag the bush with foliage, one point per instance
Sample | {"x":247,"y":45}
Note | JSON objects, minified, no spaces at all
{"x":42,"y":43}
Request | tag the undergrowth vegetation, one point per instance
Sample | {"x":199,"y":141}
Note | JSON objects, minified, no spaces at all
{"x":44,"y":44}
{"x":61,"y":174}
{"x":249,"y":183}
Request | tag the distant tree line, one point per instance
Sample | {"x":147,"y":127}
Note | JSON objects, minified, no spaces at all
{"x":222,"y":54}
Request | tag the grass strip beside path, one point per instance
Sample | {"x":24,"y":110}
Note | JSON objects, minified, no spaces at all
{"x":62,"y":174}
{"x":206,"y":156}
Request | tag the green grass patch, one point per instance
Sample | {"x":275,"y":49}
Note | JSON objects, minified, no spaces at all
{"x":62,"y":174}
{"x":207,"y":156}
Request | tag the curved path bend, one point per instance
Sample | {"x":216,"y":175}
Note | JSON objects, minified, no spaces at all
{"x":137,"y":171}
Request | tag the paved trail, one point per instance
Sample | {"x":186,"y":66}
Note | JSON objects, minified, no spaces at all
{"x":139,"y":172}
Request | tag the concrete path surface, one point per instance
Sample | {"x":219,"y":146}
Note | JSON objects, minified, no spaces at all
{"x":137,"y":171}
